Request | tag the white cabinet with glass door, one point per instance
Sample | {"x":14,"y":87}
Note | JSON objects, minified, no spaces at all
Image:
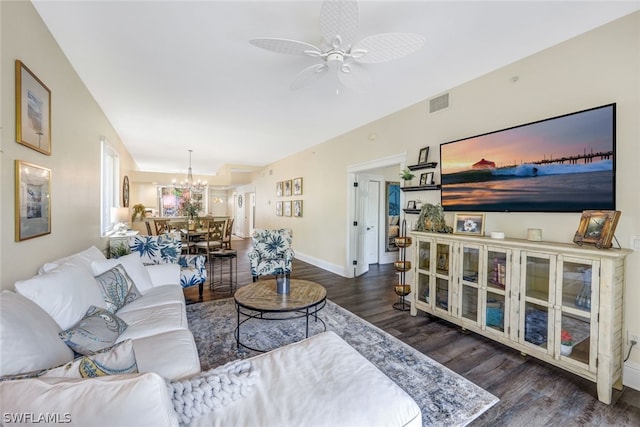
{"x":432,"y":276}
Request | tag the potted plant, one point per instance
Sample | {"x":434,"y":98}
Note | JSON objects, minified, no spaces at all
{"x":406,"y":175}
{"x":191,"y":210}
{"x":138,"y":209}
{"x":566,"y":343}
{"x":431,"y":219}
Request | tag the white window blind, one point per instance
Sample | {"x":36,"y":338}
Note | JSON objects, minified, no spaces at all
{"x":109,"y":184}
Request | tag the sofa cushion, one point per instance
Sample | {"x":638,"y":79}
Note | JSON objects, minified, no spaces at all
{"x":116,"y":360}
{"x":164,"y":274}
{"x":65,"y":293}
{"x":83,"y":259}
{"x":146,"y":322}
{"x":172,"y":354}
{"x":97,"y":330}
{"x":132,"y":265}
{"x":156,"y":296}
{"x":28,"y":337}
{"x":117,"y":400}
{"x":117,"y":288}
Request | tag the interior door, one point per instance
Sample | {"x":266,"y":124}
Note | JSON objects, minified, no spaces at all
{"x":361,"y":204}
{"x":372,"y":222}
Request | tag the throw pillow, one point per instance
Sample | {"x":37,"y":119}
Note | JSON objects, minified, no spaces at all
{"x":65,"y":293}
{"x":28,"y":336}
{"x":117,"y":288}
{"x":116,"y":360}
{"x":98,"y":330}
{"x":82,"y":259}
{"x":133,"y":266}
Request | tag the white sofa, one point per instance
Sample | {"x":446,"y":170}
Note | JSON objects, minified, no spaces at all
{"x":316,"y":382}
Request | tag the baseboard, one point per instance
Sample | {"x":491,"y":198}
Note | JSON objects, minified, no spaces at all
{"x":631,"y":375}
{"x":337,"y":269}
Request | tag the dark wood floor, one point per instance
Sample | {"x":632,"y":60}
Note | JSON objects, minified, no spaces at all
{"x":531,"y":392}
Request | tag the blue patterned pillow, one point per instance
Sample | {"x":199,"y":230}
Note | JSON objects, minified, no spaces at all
{"x":98,"y":330}
{"x":117,"y":288}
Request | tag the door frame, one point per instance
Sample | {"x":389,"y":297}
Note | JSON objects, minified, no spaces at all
{"x":352,"y":171}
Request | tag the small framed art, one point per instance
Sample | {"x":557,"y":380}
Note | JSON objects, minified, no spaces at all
{"x":469,"y":223}
{"x":279,"y":189}
{"x":597,"y":228}
{"x":297,"y":208}
{"x":426,"y":178}
{"x":287,"y":187}
{"x":33,"y":111}
{"x":424,"y":153}
{"x":33,"y":201}
{"x":297,"y":186}
{"x":278,"y":208}
{"x":287,"y":207}
{"x":411,"y":204}
{"x":125,"y":192}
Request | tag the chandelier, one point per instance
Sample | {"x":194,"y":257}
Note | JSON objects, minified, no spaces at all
{"x":189,"y":183}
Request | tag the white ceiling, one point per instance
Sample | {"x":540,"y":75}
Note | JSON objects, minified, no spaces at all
{"x":179,"y":75}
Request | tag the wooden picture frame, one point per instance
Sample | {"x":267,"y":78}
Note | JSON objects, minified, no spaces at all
{"x":297,"y":208}
{"x":279,"y":189}
{"x":33,"y":201}
{"x":411,"y":204}
{"x":287,"y":187}
{"x":597,"y":228}
{"x":279,"y":208}
{"x":422,"y":157}
{"x":426,"y":178}
{"x":33,"y":110}
{"x":471,"y":223}
{"x":287,"y":207}
{"x":125,"y":192}
{"x":297,"y":186}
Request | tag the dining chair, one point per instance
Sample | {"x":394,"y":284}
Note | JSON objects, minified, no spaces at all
{"x":162,"y":226}
{"x":212,"y":242}
{"x":149,"y":232}
{"x":226,"y":240}
{"x":182,"y":229}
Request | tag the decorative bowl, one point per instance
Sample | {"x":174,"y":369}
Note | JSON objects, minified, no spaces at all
{"x":402,"y":290}
{"x":402,"y":265}
{"x":403,"y":242}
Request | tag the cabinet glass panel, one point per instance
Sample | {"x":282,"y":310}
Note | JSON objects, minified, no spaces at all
{"x":424,"y":255}
{"x":495,"y":311}
{"x":423,"y":287}
{"x":496,"y":269}
{"x":442,"y":293}
{"x":576,"y":286}
{"x":442,"y":259}
{"x":470,"y":264}
{"x":575,"y":338}
{"x":536,"y":324}
{"x":537,"y":278}
{"x":470,"y":303}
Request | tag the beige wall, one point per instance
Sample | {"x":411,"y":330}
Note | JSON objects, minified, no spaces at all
{"x":77,"y":125}
{"x":596,"y":68}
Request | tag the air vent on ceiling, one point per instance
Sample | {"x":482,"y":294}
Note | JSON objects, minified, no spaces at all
{"x":438,"y":103}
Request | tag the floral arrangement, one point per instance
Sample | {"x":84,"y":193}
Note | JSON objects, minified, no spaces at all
{"x":566,"y":338}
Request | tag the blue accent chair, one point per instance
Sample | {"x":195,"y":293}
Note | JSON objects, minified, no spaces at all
{"x":271,"y":253}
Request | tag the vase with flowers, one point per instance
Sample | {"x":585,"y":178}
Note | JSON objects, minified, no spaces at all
{"x":566,"y":343}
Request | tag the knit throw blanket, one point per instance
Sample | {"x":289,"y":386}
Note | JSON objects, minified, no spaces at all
{"x":212,"y":389}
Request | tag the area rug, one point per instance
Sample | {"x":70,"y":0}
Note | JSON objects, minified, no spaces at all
{"x":445,"y":398}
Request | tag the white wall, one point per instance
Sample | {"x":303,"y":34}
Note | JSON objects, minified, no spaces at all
{"x":77,"y":124}
{"x":596,"y":68}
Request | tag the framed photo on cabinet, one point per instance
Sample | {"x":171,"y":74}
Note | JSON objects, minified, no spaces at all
{"x":469,"y":223}
{"x":597,"y":228}
{"x":33,"y":201}
{"x":33,"y":111}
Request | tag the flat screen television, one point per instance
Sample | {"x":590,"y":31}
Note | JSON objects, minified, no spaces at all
{"x":560,"y":164}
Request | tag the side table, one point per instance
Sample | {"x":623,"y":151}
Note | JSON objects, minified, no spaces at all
{"x":227,"y":277}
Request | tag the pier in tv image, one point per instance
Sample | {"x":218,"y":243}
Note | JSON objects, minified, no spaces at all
{"x":561,"y":164}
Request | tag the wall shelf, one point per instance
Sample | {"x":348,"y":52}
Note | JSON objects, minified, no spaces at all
{"x":411,"y":211}
{"x":421,"y":187}
{"x":429,"y":165}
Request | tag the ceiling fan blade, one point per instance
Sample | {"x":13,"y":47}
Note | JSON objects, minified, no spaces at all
{"x":339,"y":23}
{"x":309,"y":75}
{"x":289,"y":47}
{"x":386,"y":47}
{"x":355,"y":77}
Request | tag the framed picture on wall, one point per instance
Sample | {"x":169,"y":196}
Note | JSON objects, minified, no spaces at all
{"x":297,"y":208}
{"x":125,"y":192}
{"x":279,"y":189}
{"x":424,"y":153}
{"x":33,"y":201}
{"x":297,"y":187}
{"x":287,"y":208}
{"x":287,"y":187}
{"x":278,"y":208}
{"x":33,"y":111}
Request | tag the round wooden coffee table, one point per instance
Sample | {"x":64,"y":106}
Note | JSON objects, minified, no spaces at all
{"x":260,"y":301}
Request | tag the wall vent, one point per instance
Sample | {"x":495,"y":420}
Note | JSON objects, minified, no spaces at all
{"x":439,"y":103}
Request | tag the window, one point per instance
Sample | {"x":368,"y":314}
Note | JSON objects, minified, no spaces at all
{"x":109,"y":184}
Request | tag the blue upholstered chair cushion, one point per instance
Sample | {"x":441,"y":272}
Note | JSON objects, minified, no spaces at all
{"x":164,"y":249}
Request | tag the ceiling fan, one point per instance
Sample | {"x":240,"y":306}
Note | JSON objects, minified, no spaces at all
{"x":338,"y":26}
